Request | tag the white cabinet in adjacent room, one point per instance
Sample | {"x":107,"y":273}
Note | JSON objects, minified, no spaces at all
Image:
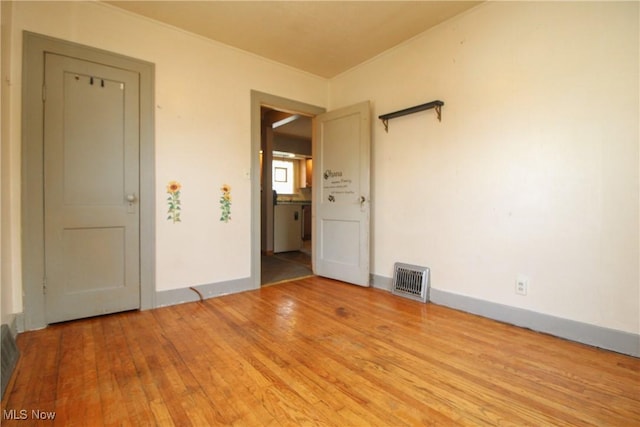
{"x":287,"y":228}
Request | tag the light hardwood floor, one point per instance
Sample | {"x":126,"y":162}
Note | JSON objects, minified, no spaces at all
{"x":315,"y":352}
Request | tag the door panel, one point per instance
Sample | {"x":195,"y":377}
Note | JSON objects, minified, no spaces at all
{"x":91,"y":164}
{"x":96,"y":253}
{"x":341,"y":155}
{"x":93,"y":143}
{"x":335,"y":249}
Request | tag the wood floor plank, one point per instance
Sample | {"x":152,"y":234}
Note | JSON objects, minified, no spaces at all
{"x":325,"y":370}
{"x":435,"y":402}
{"x":315,"y":352}
{"x":328,"y":358}
{"x":229,"y":377}
{"x":527,"y":399}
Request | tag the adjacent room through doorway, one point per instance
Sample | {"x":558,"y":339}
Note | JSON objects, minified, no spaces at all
{"x":286,"y":167}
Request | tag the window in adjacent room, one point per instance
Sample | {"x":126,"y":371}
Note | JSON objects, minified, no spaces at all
{"x":283,"y":176}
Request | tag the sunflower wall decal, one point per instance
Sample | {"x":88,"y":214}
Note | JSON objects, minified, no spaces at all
{"x":173,"y":201}
{"x":225,"y":203}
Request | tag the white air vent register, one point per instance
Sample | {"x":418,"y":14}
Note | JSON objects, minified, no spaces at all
{"x":411,"y":281}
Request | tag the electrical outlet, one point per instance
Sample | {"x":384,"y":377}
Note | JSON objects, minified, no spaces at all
{"x":522,"y":286}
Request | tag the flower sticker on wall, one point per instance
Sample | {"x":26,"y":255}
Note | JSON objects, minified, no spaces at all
{"x":173,"y":201}
{"x":225,"y":203}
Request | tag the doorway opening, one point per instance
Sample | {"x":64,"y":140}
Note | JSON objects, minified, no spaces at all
{"x":262,"y":191}
{"x":286,"y":166}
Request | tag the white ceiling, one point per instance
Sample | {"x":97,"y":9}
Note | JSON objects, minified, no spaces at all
{"x":324,"y":38}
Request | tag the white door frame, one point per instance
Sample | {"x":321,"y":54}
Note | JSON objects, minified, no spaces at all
{"x":259,"y":99}
{"x":32,"y":186}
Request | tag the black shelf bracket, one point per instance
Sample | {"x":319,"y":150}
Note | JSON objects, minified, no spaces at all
{"x":429,"y":105}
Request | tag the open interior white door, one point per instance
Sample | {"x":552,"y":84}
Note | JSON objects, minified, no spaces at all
{"x":341,"y":208}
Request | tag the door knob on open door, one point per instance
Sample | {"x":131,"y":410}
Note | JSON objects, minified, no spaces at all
{"x":131,"y":198}
{"x":362,"y":200}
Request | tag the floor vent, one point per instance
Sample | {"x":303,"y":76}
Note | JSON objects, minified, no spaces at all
{"x":9,"y":356}
{"x":411,"y":281}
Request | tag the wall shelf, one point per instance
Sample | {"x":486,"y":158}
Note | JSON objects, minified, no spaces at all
{"x":429,"y":105}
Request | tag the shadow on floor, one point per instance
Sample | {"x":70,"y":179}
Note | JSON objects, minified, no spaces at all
{"x":285,"y":266}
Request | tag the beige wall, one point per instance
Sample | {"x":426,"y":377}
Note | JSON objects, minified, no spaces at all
{"x":534,"y":168}
{"x":202,"y":125}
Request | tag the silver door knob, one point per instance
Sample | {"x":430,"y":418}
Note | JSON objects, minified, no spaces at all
{"x":131,"y":198}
